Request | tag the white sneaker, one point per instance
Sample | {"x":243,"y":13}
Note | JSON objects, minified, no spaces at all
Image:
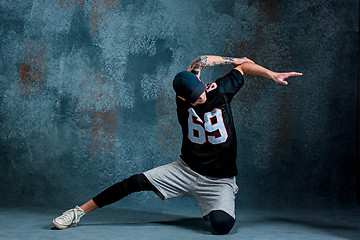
{"x":69,"y":218}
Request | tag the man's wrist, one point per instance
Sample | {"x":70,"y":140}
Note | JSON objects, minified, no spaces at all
{"x":270,"y":75}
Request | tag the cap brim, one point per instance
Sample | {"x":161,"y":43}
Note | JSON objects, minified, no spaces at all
{"x":196,"y":93}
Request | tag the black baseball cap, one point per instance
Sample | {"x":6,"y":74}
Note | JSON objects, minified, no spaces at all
{"x":188,"y":86}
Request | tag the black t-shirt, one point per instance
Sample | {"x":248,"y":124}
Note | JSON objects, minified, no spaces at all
{"x":209,"y":144}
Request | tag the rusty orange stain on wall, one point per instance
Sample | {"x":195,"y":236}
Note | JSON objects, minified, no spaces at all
{"x":103,"y":119}
{"x":68,"y":4}
{"x":269,"y":8}
{"x":103,"y":131}
{"x":100,"y":11}
{"x":32,"y":68}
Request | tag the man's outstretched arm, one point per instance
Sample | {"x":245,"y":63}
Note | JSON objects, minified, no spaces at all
{"x":254,"y":69}
{"x":208,"y":61}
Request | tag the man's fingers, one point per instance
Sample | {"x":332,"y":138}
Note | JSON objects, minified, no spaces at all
{"x":295,"y":74}
{"x":247,"y":60}
{"x":292,"y":74}
{"x":280,"y":77}
{"x":283,"y":82}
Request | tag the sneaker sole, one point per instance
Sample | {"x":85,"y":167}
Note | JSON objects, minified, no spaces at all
{"x":59,"y":226}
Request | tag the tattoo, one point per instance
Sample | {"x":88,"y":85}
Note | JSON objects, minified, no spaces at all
{"x":228,"y":59}
{"x":203,"y":59}
{"x":196,"y":63}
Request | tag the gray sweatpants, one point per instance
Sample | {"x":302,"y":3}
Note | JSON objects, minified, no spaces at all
{"x":177,"y":179}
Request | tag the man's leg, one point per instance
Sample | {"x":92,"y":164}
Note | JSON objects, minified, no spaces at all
{"x":116,"y":192}
{"x":216,"y":198}
{"x":221,"y":222}
{"x":135,"y":183}
{"x":89,"y":206}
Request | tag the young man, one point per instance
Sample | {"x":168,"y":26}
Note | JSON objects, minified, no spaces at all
{"x":207,"y":167}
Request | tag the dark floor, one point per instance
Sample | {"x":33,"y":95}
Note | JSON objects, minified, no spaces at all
{"x":181,"y":223}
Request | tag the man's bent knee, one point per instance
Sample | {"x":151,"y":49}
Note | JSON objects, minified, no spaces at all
{"x":221,"y":222}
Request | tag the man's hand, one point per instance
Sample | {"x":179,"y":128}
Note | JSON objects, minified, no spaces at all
{"x":280,"y":77}
{"x":239,"y":61}
{"x":254,"y":69}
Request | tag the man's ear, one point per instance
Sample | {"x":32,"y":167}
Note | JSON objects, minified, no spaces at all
{"x":181,"y":98}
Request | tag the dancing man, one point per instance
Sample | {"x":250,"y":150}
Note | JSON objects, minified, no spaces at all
{"x":206,"y":168}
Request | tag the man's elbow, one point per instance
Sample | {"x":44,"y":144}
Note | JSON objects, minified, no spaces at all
{"x":240,"y":69}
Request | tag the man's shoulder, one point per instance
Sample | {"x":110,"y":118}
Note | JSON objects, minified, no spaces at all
{"x":213,"y":87}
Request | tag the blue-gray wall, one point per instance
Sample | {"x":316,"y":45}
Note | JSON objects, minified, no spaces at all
{"x":86,"y":95}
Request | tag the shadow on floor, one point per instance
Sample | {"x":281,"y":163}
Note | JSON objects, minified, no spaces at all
{"x":125,"y":217}
{"x":340,"y":225}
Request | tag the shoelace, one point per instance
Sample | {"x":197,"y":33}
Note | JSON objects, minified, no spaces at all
{"x":67,"y":216}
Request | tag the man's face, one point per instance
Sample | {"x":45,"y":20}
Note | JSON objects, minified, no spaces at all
{"x":201,"y":99}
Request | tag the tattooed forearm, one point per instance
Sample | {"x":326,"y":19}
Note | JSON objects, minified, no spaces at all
{"x":208,"y":61}
{"x":200,"y":62}
{"x":228,"y":60}
{"x":195,"y":63}
{"x":203,"y":61}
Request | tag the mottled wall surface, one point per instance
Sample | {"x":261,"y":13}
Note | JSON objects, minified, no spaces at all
{"x":86,"y":95}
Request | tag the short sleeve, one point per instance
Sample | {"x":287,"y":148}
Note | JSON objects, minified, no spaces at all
{"x":231,"y":82}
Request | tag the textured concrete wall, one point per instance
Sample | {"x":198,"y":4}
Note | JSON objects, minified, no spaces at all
{"x":86,"y":95}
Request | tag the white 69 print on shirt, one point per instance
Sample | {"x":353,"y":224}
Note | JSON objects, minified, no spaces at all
{"x":213,"y":121}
